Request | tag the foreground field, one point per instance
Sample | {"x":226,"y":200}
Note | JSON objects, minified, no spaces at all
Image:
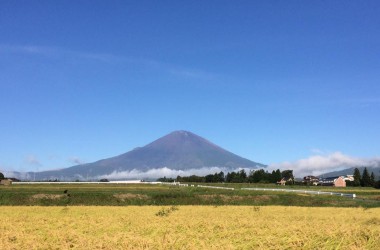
{"x":148,"y":194}
{"x":189,"y":227}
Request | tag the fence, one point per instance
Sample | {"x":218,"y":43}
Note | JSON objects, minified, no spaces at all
{"x":215,"y":187}
{"x":173,"y":184}
{"x":301,"y":191}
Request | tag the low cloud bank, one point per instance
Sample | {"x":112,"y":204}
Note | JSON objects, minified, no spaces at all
{"x":316,"y":164}
{"x":319,"y":164}
{"x":19,"y":175}
{"x":167,"y":172}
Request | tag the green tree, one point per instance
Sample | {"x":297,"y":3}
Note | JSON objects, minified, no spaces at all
{"x":357,"y":178}
{"x":258,"y":176}
{"x":166,"y":179}
{"x":217,"y":177}
{"x":250,"y":176}
{"x":209,"y":178}
{"x":1,"y":176}
{"x":231,"y":177}
{"x":287,"y":174}
{"x":221,"y":177}
{"x":366,"y":178}
{"x":377,"y":184}
{"x":372,"y":178}
{"x":277,"y":176}
{"x":272,"y":177}
{"x":242,"y":176}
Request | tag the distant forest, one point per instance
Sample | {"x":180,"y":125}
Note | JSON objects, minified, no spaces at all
{"x":258,"y":176}
{"x":261,"y":176}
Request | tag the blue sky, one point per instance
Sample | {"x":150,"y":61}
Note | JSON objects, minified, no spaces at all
{"x":272,"y":81}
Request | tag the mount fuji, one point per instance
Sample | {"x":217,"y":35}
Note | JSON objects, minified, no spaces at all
{"x":180,"y":152}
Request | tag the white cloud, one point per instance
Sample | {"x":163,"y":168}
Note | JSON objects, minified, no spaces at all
{"x":2,"y":169}
{"x":32,"y":160}
{"x":161,"y":172}
{"x":317,"y":151}
{"x":76,"y":160}
{"x":59,"y":52}
{"x":319,"y":164}
{"x":50,"y":51}
{"x":19,"y":175}
{"x":28,"y":49}
{"x":191,"y":73}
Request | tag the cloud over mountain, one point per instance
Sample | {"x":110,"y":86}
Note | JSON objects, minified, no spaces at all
{"x":156,"y":173}
{"x":319,"y":164}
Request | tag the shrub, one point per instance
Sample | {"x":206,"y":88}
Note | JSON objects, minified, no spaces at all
{"x":166,"y":211}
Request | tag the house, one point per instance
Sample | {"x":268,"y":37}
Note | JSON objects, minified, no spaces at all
{"x":6,"y":182}
{"x":337,"y":181}
{"x":310,"y":179}
{"x":284,"y":180}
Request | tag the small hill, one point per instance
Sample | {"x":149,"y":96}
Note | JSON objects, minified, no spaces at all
{"x":350,"y":171}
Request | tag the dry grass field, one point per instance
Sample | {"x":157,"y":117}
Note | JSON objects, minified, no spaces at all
{"x":189,"y":227}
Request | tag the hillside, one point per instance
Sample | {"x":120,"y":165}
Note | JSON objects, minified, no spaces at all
{"x":350,"y":171}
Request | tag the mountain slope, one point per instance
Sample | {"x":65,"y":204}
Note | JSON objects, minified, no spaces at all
{"x":179,"y":150}
{"x":350,"y":171}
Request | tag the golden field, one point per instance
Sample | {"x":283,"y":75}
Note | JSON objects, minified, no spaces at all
{"x":189,"y":227}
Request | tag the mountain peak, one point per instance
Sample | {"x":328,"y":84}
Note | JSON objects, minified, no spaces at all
{"x":182,"y":140}
{"x":181,"y":132}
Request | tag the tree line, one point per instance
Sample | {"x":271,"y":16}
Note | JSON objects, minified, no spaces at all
{"x":258,"y":176}
{"x":364,"y":179}
{"x":261,"y":176}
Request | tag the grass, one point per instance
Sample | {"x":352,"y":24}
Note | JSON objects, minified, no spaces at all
{"x":146,"y":194}
{"x":189,"y":227}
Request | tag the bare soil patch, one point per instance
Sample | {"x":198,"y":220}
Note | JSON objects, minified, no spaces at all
{"x":129,"y":196}
{"x":228,"y":198}
{"x":307,"y":195}
{"x":48,"y":196}
{"x":263,"y":197}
